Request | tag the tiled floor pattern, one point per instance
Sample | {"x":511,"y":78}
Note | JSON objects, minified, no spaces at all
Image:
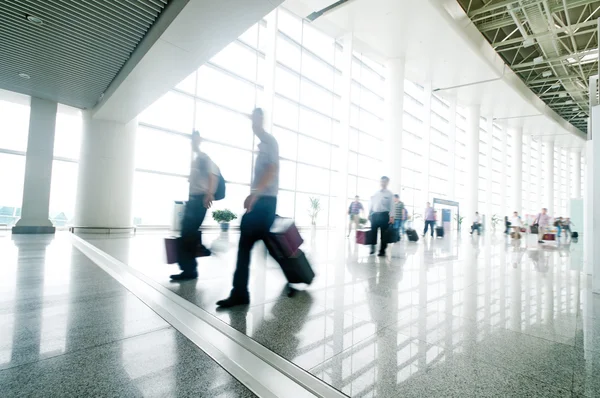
{"x":67,"y":329}
{"x":479,"y":316}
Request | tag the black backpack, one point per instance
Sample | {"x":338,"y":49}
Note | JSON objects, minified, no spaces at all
{"x":220,"y":192}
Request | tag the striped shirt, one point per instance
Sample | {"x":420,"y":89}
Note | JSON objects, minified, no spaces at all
{"x":399,"y":210}
{"x":355,"y":208}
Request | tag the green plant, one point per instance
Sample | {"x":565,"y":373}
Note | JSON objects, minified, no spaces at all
{"x":495,"y":221}
{"x":314,"y":209}
{"x":458,"y":219}
{"x":223,"y":216}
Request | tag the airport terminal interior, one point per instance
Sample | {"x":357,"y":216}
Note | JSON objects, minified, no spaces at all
{"x":480,"y":113}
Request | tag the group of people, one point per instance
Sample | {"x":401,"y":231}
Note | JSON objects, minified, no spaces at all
{"x":386,"y":209}
{"x":255,"y":225}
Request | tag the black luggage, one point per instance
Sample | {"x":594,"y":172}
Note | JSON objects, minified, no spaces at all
{"x":296,"y":268}
{"x":439,"y":232}
{"x":392,"y":235}
{"x":534,"y":229}
{"x":574,"y":235}
{"x":412,"y":235}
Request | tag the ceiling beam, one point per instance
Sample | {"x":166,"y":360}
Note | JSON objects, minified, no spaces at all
{"x":518,"y":40}
{"x":507,"y":21}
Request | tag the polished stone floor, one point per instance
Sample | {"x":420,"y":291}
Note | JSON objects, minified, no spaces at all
{"x":68,"y":329}
{"x":475,"y":316}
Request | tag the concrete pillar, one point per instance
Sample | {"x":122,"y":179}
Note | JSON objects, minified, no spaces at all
{"x":529,"y":205}
{"x":452,"y":150}
{"x":472,"y":164}
{"x":592,"y":201}
{"x":549,"y":177}
{"x":517,"y":177}
{"x":489,"y":152}
{"x":576,"y":182}
{"x":395,"y":113}
{"x":38,"y":169}
{"x":539,"y":200}
{"x":568,"y":181}
{"x":106,"y":169}
{"x":425,"y":142}
{"x":504,"y":210}
{"x":342,"y":166}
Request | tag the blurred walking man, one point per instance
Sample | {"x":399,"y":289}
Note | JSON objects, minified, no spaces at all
{"x":260,"y":209}
{"x":382,"y":214}
{"x":203,"y":180}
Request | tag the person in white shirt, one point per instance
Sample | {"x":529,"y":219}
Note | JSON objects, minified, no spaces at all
{"x":382,"y":214}
{"x":515,"y":222}
{"x":476,"y":224}
{"x":203,"y":181}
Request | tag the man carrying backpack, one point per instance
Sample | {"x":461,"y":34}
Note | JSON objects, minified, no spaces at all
{"x":204,"y":181}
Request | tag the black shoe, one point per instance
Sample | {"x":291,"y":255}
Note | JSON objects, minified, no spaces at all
{"x":540,"y":241}
{"x":233,"y":301}
{"x":381,"y":254}
{"x":372,"y":252}
{"x":184,"y":276}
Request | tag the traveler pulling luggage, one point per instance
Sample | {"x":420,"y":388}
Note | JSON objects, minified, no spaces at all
{"x":206,"y":185}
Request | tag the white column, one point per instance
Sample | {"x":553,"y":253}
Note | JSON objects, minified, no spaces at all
{"x":592,"y":200}
{"x":452,"y":150}
{"x":541,"y":190}
{"x":472,"y":164}
{"x":38,"y":169}
{"x":588,"y":209}
{"x":106,"y":169}
{"x":568,"y":178}
{"x":576,"y":183}
{"x":489,"y":151}
{"x":517,"y":182}
{"x":549,"y":178}
{"x":395,"y":113}
{"x":528,"y":201}
{"x":426,"y":140}
{"x":504,"y":210}
{"x":342,"y":166}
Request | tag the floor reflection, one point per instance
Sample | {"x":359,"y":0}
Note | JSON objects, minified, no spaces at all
{"x":68,"y":329}
{"x":467,"y":316}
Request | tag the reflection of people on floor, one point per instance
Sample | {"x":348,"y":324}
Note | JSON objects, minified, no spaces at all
{"x":276,"y":329}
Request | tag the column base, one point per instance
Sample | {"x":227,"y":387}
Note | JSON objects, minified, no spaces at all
{"x":102,"y":230}
{"x":26,"y":229}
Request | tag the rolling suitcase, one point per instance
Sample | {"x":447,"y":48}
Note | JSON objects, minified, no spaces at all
{"x":412,"y":235}
{"x":574,"y":235}
{"x":392,"y":235}
{"x":439,"y":232}
{"x":364,"y":237}
{"x":296,"y":268}
{"x":171,"y":249}
{"x":549,"y":237}
{"x":284,"y":237}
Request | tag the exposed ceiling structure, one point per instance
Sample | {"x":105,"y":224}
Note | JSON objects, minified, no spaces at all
{"x":69,"y":51}
{"x":552,"y":45}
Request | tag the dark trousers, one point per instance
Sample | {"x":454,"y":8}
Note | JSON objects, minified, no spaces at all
{"x":255,"y":226}
{"x":429,"y":224}
{"x":193,"y":216}
{"x":380,"y":221}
